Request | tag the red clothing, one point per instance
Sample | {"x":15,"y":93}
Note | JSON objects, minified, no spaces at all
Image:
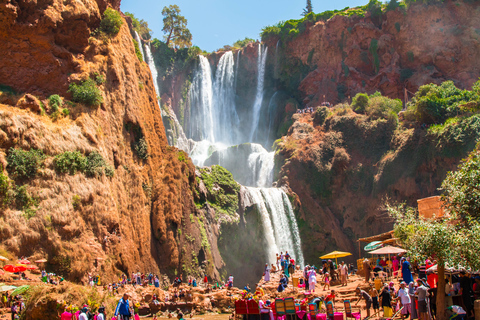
{"x":205,"y":279}
{"x":432,"y":279}
{"x":66,"y":316}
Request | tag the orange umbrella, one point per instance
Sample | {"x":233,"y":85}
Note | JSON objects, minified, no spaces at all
{"x":24,"y":261}
{"x":41,"y":261}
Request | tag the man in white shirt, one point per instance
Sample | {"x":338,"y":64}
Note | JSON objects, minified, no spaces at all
{"x":264,"y":308}
{"x":405,"y":301}
{"x":83,"y":314}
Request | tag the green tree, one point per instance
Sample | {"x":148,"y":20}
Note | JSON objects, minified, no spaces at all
{"x":308,"y":8}
{"x":175,"y":28}
{"x":141,"y":26}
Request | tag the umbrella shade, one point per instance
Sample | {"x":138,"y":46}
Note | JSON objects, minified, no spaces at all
{"x":32,"y":267}
{"x":3,"y":258}
{"x":20,"y":290}
{"x":336,"y":254}
{"x":388,"y":250}
{"x":373,"y":245}
{"x":7,"y":288}
{"x":24,"y":261}
{"x":13,"y":269}
{"x":41,"y":261}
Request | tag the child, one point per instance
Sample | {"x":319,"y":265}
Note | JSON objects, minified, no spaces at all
{"x":374,"y":294}
{"x":326,"y":279}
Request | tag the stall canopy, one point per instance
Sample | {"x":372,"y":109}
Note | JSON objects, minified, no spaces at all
{"x":380,"y":237}
{"x":373,"y":245}
{"x":335,"y":255}
{"x":388,"y":250}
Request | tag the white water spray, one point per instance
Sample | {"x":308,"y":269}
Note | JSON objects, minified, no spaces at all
{"x":257,"y":106}
{"x":140,"y":45}
{"x":153,"y":68}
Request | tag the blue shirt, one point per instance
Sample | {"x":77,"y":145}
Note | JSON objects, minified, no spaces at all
{"x":122,"y":308}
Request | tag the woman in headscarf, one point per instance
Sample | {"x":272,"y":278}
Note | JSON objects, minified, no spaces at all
{"x":266,"y":273}
{"x":406,"y":273}
{"x":411,"y":293}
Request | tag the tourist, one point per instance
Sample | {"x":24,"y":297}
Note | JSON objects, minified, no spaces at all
{"x":476,"y":288}
{"x":395,"y":264}
{"x":405,"y":300}
{"x":326,"y":280}
{"x":368,"y":299}
{"x":466,"y":292}
{"x":123,"y":308}
{"x":391,"y":288}
{"x":343,"y":270}
{"x":422,"y":294}
{"x":180,"y":316}
{"x":230,"y":282}
{"x":259,"y":291}
{"x":331,"y":297}
{"x":265,"y":308}
{"x":83,"y":314}
{"x":194,"y":282}
{"x":366,"y":269}
{"x":278,"y":262}
{"x":247,"y":288}
{"x":273,"y":269}
{"x":312,"y":279}
{"x":205,"y":281}
{"x":285,"y":269}
{"x":291,"y":266}
{"x":101,"y":313}
{"x":458,"y":313}
{"x":374,"y":294}
{"x":14,"y":310}
{"x":68,"y":314}
{"x":283,"y":283}
{"x":156,"y":282}
{"x":266,"y":273}
{"x":386,"y":302}
{"x":406,"y":272}
{"x":411,"y":293}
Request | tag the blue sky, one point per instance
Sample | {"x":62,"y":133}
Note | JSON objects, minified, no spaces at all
{"x":215,"y":23}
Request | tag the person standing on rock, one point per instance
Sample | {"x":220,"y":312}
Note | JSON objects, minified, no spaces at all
{"x":205,"y":281}
{"x":405,"y":300}
{"x":266,"y":273}
{"x":278,"y":262}
{"x":343,"y":273}
{"x":312,"y":279}
{"x":123,"y":308}
{"x":230,"y":282}
{"x":406,"y":272}
{"x":366,"y":269}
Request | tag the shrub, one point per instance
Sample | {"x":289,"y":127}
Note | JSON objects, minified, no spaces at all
{"x":109,"y":171}
{"x":141,"y":148}
{"x":360,"y":102}
{"x":23,"y":199}
{"x":321,"y":114}
{"x":55,"y":102}
{"x":95,"y":165}
{"x":76,"y":201}
{"x":86,"y":93}
{"x":65,"y":112}
{"x":70,"y":162}
{"x":383,"y":107}
{"x":24,"y":164}
{"x":5,"y":188}
{"x":111,"y":22}
{"x":99,"y":79}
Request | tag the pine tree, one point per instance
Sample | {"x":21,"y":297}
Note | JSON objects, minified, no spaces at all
{"x":308,"y":8}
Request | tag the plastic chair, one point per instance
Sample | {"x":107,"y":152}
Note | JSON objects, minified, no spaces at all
{"x":241,"y":307}
{"x":330,"y":310}
{"x":312,"y":309}
{"x":289,"y":305}
{"x":279,"y":307}
{"x":253,"y":307}
{"x":348,"y":311}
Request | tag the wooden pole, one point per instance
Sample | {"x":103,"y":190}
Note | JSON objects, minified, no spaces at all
{"x":441,"y":291}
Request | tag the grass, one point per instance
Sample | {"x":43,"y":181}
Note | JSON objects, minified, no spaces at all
{"x":86,"y":92}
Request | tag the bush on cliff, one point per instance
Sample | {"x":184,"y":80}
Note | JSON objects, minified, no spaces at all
{"x":70,"y":162}
{"x":96,"y":166}
{"x":86,"y":92}
{"x":360,"y":102}
{"x":24,"y":164}
{"x":111,"y":22}
{"x":383,"y":107}
{"x":321,"y":114}
{"x":55,"y":102}
{"x":138,"y":53}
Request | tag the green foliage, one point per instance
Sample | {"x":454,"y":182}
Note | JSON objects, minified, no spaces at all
{"x":175,"y":28}
{"x":111,"y":22}
{"x":222,"y":188}
{"x":138,"y":53}
{"x":96,"y":166}
{"x":99,"y":79}
{"x":86,"y":93}
{"x":435,"y":104}
{"x":461,"y":192}
{"x":23,"y":200}
{"x":76,"y":201}
{"x":65,"y":112}
{"x":321,"y":114}
{"x":360,"y":102}
{"x":70,"y":162}
{"x":141,"y":148}
{"x":141,"y":26}
{"x":374,"y":52}
{"x":374,"y":7}
{"x":6,"y":186}
{"x":24,"y":164}
{"x":308,"y":9}
{"x":242,"y":43}
{"x":55,"y":102}
{"x":406,"y":74}
{"x":383,"y":107}
{"x":397,"y":26}
{"x":182,"y":157}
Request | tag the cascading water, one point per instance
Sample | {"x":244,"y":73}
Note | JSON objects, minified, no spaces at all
{"x":214,"y":125}
{"x":279,"y":222}
{"x":140,"y":44}
{"x":257,"y":106}
{"x":153,"y":68}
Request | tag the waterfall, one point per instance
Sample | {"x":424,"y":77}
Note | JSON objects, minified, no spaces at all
{"x":257,"y":106}
{"x":236,"y":70}
{"x":153,"y":69}
{"x":140,"y":45}
{"x":272,"y":109}
{"x":278,"y":222}
{"x":224,"y":100}
{"x":201,"y":103}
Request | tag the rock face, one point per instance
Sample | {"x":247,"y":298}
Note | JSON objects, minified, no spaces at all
{"x":400,"y":49}
{"x":141,"y":219}
{"x":343,"y":170}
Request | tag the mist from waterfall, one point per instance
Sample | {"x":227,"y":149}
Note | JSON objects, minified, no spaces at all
{"x":153,"y":68}
{"x":140,"y":45}
{"x":257,"y":105}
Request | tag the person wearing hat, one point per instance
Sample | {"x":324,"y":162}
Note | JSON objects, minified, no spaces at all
{"x":123,"y":308}
{"x":405,"y":300}
{"x":422,"y":293}
{"x":83,"y":313}
{"x":101,"y":313}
